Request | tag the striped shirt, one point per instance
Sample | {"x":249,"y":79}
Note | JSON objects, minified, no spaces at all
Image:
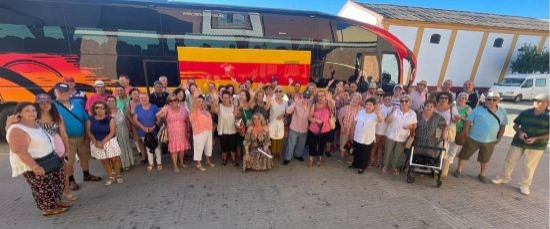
{"x":533,"y":125}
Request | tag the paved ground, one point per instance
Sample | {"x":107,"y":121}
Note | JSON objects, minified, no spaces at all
{"x":286,"y":197}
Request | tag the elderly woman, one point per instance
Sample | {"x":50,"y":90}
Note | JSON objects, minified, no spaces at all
{"x":101,"y":129}
{"x":346,"y":116}
{"x":385,"y":107}
{"x":257,"y":155}
{"x":277,"y":110}
{"x":227,"y":131}
{"x":364,"y":134}
{"x":297,"y":134}
{"x":28,"y":144}
{"x":244,"y":113}
{"x":258,"y":104}
{"x":122,"y":134}
{"x":133,"y":128}
{"x":202,"y":131}
{"x":463,"y":111}
{"x":445,"y":108}
{"x":319,"y":128}
{"x":48,"y":118}
{"x":177,"y":124}
{"x":401,"y":123}
{"x":430,"y":123}
{"x":146,"y":121}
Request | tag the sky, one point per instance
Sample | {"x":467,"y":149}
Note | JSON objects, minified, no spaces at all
{"x":526,"y":8}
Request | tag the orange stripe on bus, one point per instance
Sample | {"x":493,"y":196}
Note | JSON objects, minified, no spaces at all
{"x":226,"y":55}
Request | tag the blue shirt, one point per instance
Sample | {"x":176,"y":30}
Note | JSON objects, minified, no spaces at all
{"x":485,"y":126}
{"x":73,"y":125}
{"x":147,"y":118}
{"x":100,"y":128}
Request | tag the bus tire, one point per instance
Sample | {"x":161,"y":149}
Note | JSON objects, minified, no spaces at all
{"x":5,"y":111}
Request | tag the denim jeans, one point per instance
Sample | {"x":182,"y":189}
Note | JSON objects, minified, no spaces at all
{"x":296,"y":143}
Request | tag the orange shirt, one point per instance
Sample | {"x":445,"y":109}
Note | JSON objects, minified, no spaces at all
{"x":201,"y":121}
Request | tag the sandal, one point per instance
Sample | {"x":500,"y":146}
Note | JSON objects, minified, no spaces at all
{"x":109,"y":181}
{"x":236,"y":164}
{"x":159,"y":167}
{"x":396,"y":172}
{"x":55,"y":211}
{"x":119,"y":179}
{"x":62,"y":204}
{"x":200,"y":168}
{"x":149,"y":167}
{"x":208,"y":163}
{"x":70,"y":196}
{"x":384,"y":170}
{"x":176,"y":170}
{"x":183,"y":166}
{"x":92,"y":178}
{"x":310,"y":163}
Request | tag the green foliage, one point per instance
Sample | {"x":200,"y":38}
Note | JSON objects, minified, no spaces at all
{"x":529,"y":60}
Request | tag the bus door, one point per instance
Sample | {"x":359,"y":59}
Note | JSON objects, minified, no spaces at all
{"x":155,"y":68}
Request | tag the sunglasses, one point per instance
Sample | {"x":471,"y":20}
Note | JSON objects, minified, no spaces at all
{"x":404,"y":101}
{"x":379,"y":93}
{"x":172,"y":100}
{"x":278,"y":91}
{"x":494,"y":100}
{"x":99,"y":108}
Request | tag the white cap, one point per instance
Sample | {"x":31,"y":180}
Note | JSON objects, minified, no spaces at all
{"x":493,"y":94}
{"x":99,"y":83}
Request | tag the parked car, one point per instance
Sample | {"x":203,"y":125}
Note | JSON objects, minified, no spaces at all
{"x":518,"y":87}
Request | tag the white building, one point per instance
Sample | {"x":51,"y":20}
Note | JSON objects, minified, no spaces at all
{"x":454,"y":45}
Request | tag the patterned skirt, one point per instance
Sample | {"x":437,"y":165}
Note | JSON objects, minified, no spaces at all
{"x":258,"y":161}
{"x":47,"y":190}
{"x":110,"y":149}
{"x":125,"y":143}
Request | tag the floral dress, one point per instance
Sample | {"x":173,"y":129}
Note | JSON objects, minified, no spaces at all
{"x":257,"y":160}
{"x":124,"y":141}
{"x":178,"y":128}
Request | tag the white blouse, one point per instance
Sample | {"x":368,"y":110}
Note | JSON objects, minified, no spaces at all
{"x":365,"y":126}
{"x":398,"y":129}
{"x":39,"y":146}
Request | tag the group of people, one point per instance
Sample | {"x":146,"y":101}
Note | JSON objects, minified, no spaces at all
{"x":251,"y":124}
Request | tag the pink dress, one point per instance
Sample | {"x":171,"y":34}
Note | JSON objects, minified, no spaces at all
{"x":177,"y":126}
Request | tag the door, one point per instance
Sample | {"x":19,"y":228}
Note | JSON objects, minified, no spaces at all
{"x":155,"y":68}
{"x":541,"y":86}
{"x":527,"y":89}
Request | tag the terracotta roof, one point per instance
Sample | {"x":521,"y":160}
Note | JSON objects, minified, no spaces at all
{"x":456,"y":17}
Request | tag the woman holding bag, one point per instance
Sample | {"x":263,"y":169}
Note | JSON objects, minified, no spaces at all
{"x":446,"y":109}
{"x":29,"y":146}
{"x":319,"y":127}
{"x":277,"y":110}
{"x":49,"y":119}
{"x":463,"y":110}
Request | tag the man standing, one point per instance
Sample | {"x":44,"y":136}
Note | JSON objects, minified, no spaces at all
{"x":419,"y":95}
{"x":473,"y":95}
{"x":158,"y":97}
{"x":124,"y":81}
{"x":74,"y":118}
{"x":100,"y":95}
{"x":76,"y":95}
{"x":529,"y":142}
{"x":485,"y":127}
{"x":164,"y":81}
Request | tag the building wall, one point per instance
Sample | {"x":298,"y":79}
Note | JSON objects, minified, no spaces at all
{"x":407,"y":35}
{"x":492,"y":60}
{"x":463,"y":56}
{"x":431,"y":56}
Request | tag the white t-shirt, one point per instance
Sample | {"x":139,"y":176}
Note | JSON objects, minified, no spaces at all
{"x":226,"y":120}
{"x":397,"y":129}
{"x":365,"y":124}
{"x":381,"y":127}
{"x":447,"y":114}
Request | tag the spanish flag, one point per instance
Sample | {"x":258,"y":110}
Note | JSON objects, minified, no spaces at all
{"x":222,"y":65}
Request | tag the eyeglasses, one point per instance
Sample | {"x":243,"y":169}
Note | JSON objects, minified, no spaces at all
{"x":494,"y":100}
{"x":404,"y":101}
{"x":99,"y":108}
{"x":379,"y":93}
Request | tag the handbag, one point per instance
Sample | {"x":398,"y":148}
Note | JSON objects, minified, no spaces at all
{"x":50,"y":162}
{"x":58,"y":145}
{"x":451,"y":128}
{"x":276,"y":129}
{"x":332,"y":121}
{"x":162,"y":135}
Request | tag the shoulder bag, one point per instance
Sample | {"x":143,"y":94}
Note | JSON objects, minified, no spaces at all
{"x":50,"y":162}
{"x":451,"y":128}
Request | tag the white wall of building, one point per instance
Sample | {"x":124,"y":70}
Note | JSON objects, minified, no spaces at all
{"x":351,"y":11}
{"x":407,"y":35}
{"x":463,"y":56}
{"x":492,"y":60}
{"x":431,"y":56}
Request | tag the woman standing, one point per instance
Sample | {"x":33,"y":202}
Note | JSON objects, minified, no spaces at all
{"x":226,"y":126}
{"x":101,"y":129}
{"x":346,"y":117}
{"x":430,"y":123}
{"x":381,"y":127}
{"x":122,"y":134}
{"x":177,"y":124}
{"x":319,"y":127}
{"x":257,"y":140}
{"x":202,"y":131}
{"x":244,"y":113}
{"x":146,"y":121}
{"x":133,"y":128}
{"x":50,"y":120}
{"x":364,"y":134}
{"x":277,"y":110}
{"x":401,"y":123}
{"x":258,"y":104}
{"x":463,"y":110}
{"x":28,"y":142}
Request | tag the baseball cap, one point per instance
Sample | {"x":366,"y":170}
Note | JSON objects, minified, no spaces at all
{"x":68,"y":79}
{"x":99,"y":83}
{"x":274,"y":78}
{"x":61,"y":87}
{"x":541,"y":97}
{"x":40,"y":98}
{"x":379,"y":90}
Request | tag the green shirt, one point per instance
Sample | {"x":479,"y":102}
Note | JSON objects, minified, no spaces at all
{"x":121,"y":103}
{"x":533,"y":125}
{"x":464,"y":114}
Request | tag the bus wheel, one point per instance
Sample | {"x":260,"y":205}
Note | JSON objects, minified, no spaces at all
{"x":5,"y":111}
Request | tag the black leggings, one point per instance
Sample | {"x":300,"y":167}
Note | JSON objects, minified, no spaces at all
{"x":361,"y":155}
{"x":317,"y":143}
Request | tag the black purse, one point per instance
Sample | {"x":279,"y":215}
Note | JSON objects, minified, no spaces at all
{"x":50,"y":162}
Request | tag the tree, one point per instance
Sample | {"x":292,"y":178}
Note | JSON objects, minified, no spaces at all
{"x":529,"y":60}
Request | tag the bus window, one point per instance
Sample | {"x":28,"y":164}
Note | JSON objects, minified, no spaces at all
{"x":134,"y":42}
{"x":346,"y":32}
{"x":13,"y":37}
{"x":390,"y":69}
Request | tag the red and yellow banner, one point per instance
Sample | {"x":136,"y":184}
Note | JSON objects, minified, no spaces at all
{"x":221,"y":65}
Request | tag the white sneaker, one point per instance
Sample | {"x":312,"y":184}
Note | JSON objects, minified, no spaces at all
{"x":524,"y":190}
{"x":499,"y":181}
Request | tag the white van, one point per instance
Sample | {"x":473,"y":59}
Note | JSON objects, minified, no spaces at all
{"x":519,"y":87}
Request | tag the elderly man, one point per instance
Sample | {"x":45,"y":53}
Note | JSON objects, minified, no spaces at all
{"x":158,"y":97}
{"x":419,"y":95}
{"x":370,"y":93}
{"x":124,"y":81}
{"x":76,"y":95}
{"x":530,"y":141}
{"x":164,"y":81}
{"x":473,"y":95}
{"x":100,"y":95}
{"x":485,"y":127}
{"x":74,"y":117}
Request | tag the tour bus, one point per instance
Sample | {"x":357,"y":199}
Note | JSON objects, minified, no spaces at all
{"x":42,"y":41}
